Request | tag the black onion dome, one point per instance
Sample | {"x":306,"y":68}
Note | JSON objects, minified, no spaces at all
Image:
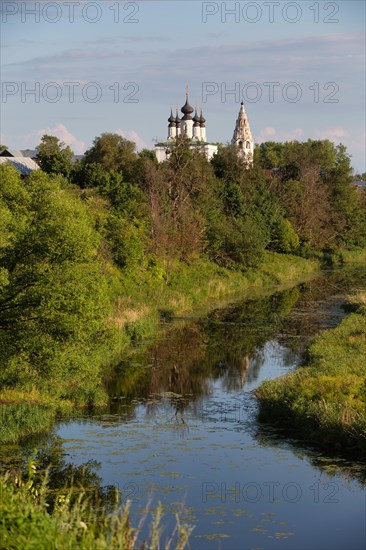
{"x":187,"y":109}
{"x":202,"y":119}
{"x":171,"y":119}
{"x":177,"y":119}
{"x":196,"y":119}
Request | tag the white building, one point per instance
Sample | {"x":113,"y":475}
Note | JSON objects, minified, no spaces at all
{"x":242,"y":137}
{"x":193,"y":128}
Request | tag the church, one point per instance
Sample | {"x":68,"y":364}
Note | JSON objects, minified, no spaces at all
{"x":194,"y":128}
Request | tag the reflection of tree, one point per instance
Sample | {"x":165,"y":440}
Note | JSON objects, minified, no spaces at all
{"x":225,"y":346}
{"x":238,"y":334}
{"x":320,"y":306}
{"x":63,"y":476}
{"x":176,"y":372}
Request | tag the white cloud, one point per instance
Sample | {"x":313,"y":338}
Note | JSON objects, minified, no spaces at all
{"x":334,"y":134}
{"x":271,"y":134}
{"x":266,"y":134}
{"x":132,"y":135}
{"x":61,"y":132}
{"x":269,"y":131}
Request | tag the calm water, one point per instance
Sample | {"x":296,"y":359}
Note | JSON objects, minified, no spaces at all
{"x":182,"y":428}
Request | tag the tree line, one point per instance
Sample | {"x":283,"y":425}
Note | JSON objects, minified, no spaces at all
{"x":297,"y":198}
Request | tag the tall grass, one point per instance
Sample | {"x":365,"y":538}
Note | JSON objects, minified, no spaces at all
{"x":73,"y":523}
{"x":203,"y":283}
{"x":353,"y":256}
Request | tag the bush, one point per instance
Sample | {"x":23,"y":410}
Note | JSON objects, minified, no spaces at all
{"x":284,"y":237}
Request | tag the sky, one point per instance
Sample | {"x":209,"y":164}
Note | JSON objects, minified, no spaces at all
{"x":76,"y":69}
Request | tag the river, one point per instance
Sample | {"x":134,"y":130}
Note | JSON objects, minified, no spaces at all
{"x":182,"y":429}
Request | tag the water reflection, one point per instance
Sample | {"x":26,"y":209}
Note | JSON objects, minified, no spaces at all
{"x":51,"y":460}
{"x":225,"y":345}
{"x":228,"y":345}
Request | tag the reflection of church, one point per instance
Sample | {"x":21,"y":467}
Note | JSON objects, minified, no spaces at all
{"x":194,"y":128}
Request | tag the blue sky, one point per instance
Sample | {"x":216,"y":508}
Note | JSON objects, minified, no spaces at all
{"x":309,"y":51}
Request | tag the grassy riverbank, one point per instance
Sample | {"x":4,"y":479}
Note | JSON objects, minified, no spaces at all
{"x":325,"y":401}
{"x":351,"y":256}
{"x":28,"y":521}
{"x":200,"y":285}
{"x":138,"y":311}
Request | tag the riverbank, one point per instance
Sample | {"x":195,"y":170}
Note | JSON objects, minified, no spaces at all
{"x":200,"y":287}
{"x":140,"y":306}
{"x":139,"y":309}
{"x":324,"y":402}
{"x":34,"y":517}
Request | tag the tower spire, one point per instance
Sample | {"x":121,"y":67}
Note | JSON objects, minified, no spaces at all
{"x":242,"y":136}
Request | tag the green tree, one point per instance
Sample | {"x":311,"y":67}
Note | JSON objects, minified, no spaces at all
{"x":269,"y":154}
{"x":54,"y":297}
{"x":53,"y":156}
{"x":112,"y":152}
{"x":228,"y":165}
{"x":148,"y":154}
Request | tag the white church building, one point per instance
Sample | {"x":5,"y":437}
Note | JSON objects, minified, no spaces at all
{"x":242,"y":136}
{"x":194,"y":128}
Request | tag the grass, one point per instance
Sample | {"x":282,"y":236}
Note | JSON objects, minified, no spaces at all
{"x":325,"y":401}
{"x":27,"y":522}
{"x":350,"y":256}
{"x":200,"y":283}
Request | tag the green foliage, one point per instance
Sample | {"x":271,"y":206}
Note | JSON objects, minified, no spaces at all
{"x":53,"y":156}
{"x":235,"y":243}
{"x":127,"y":242}
{"x":268,"y":154}
{"x":312,"y":182}
{"x":113,"y":153}
{"x":285,"y":239}
{"x":228,"y":165}
{"x":126,"y":199}
{"x":148,"y":154}
{"x":54,"y":298}
{"x":23,"y":418}
{"x":91,"y":174}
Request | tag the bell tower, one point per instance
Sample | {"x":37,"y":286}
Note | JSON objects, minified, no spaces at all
{"x":242,"y":137}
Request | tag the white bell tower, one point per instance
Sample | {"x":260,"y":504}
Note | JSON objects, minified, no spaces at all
{"x":242,"y":137}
